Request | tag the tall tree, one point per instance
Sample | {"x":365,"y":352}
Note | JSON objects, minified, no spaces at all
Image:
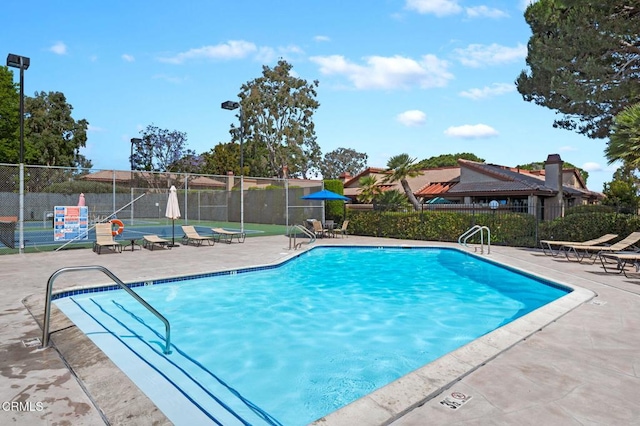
{"x":448,"y":160}
{"x":160,"y":150}
{"x":584,"y":61}
{"x":402,"y":167}
{"x":539,"y":165}
{"x":277,"y":116}
{"x":9,"y":118}
{"x":52,"y":136}
{"x":222,"y":158}
{"x":622,"y":191}
{"x":342,"y":160}
{"x":624,"y":143}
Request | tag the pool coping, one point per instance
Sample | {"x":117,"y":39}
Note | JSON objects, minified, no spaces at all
{"x":412,"y":390}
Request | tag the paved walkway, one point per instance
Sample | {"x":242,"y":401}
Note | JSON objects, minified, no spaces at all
{"x":583,"y":368}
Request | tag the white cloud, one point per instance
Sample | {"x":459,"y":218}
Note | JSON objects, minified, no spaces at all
{"x":393,"y":72}
{"x":233,"y":49}
{"x":478,"y":55}
{"x":567,"y":148}
{"x":485,"y":12}
{"x":471,"y":131}
{"x":592,"y":167}
{"x":495,"y":89}
{"x":436,"y":7}
{"x":412,"y":118}
{"x":266,"y":54}
{"x":59,"y":48}
{"x":95,"y":129}
{"x":321,"y":38}
{"x":128,"y":58}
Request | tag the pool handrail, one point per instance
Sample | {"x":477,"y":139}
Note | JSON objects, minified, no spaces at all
{"x":471,"y":232}
{"x":47,"y":305}
{"x":296,"y":246}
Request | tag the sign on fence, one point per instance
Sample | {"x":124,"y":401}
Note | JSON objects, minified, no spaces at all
{"x":70,"y":223}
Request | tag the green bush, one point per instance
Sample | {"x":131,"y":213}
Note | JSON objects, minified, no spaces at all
{"x":589,"y":208}
{"x":516,"y":229}
{"x":585,"y":226}
{"x":513,"y":229}
{"x":334,"y":210}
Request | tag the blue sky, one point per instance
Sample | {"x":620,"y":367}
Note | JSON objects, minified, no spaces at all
{"x":425,"y":77}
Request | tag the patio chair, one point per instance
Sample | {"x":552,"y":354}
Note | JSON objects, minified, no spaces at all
{"x":622,"y":260}
{"x":582,"y":252}
{"x":192,"y":236}
{"x":342,"y":230}
{"x":104,"y":238}
{"x":319,"y":230}
{"x":548,"y":245}
{"x":150,"y":241}
{"x":222,"y":233}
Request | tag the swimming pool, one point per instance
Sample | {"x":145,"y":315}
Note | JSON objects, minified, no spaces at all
{"x":372,"y":301}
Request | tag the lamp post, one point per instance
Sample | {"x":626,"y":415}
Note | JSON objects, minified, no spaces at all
{"x":134,"y":141}
{"x":21,"y":62}
{"x":231,"y":105}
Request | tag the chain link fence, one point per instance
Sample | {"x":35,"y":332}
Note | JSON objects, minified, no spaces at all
{"x":260,"y":206}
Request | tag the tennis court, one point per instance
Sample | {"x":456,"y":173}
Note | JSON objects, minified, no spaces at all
{"x":39,"y":237}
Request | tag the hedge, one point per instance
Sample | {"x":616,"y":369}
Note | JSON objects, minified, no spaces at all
{"x":513,"y":229}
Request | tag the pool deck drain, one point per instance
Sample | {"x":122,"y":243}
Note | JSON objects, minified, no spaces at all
{"x":581,"y":360}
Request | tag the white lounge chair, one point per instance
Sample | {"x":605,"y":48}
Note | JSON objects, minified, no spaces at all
{"x":221,"y":233}
{"x":104,"y":238}
{"x":192,"y":236}
{"x":150,"y":241}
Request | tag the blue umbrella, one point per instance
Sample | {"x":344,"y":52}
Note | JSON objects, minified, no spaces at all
{"x":325,"y":194}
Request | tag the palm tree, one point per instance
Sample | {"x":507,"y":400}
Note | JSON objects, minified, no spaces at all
{"x":402,"y":167}
{"x":369,"y":189}
{"x":624,"y":142}
{"x":392,"y":201}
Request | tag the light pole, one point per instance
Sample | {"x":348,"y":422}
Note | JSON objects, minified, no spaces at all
{"x":21,"y":62}
{"x":231,"y":105}
{"x":134,"y":141}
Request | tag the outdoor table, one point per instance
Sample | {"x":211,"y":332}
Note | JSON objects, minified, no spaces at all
{"x":132,"y":243}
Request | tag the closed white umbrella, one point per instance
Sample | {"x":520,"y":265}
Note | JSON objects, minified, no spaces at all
{"x":173,"y":212}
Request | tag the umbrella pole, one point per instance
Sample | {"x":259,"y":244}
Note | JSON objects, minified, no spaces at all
{"x":173,"y":234}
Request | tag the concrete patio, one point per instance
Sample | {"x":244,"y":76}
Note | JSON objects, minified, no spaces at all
{"x":582,"y":367}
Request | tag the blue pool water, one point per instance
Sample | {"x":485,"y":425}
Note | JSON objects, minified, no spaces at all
{"x":289,"y":344}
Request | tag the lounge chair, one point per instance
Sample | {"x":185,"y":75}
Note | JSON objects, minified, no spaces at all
{"x":150,"y":241}
{"x":192,"y":236}
{"x":221,"y":233}
{"x":548,"y":245}
{"x":319,"y":230}
{"x":104,"y":238}
{"x":342,"y":230}
{"x":622,"y":260}
{"x":581,"y":251}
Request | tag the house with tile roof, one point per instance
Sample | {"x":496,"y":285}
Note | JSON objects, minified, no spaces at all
{"x":430,"y":183}
{"x":549,"y":191}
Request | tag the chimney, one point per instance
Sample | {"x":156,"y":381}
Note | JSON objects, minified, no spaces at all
{"x":344,"y":177}
{"x":553,"y":180}
{"x":230,"y":180}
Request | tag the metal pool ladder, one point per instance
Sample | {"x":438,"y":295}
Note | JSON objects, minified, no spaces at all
{"x":47,"y":306}
{"x":292,"y":235}
{"x":471,"y":232}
